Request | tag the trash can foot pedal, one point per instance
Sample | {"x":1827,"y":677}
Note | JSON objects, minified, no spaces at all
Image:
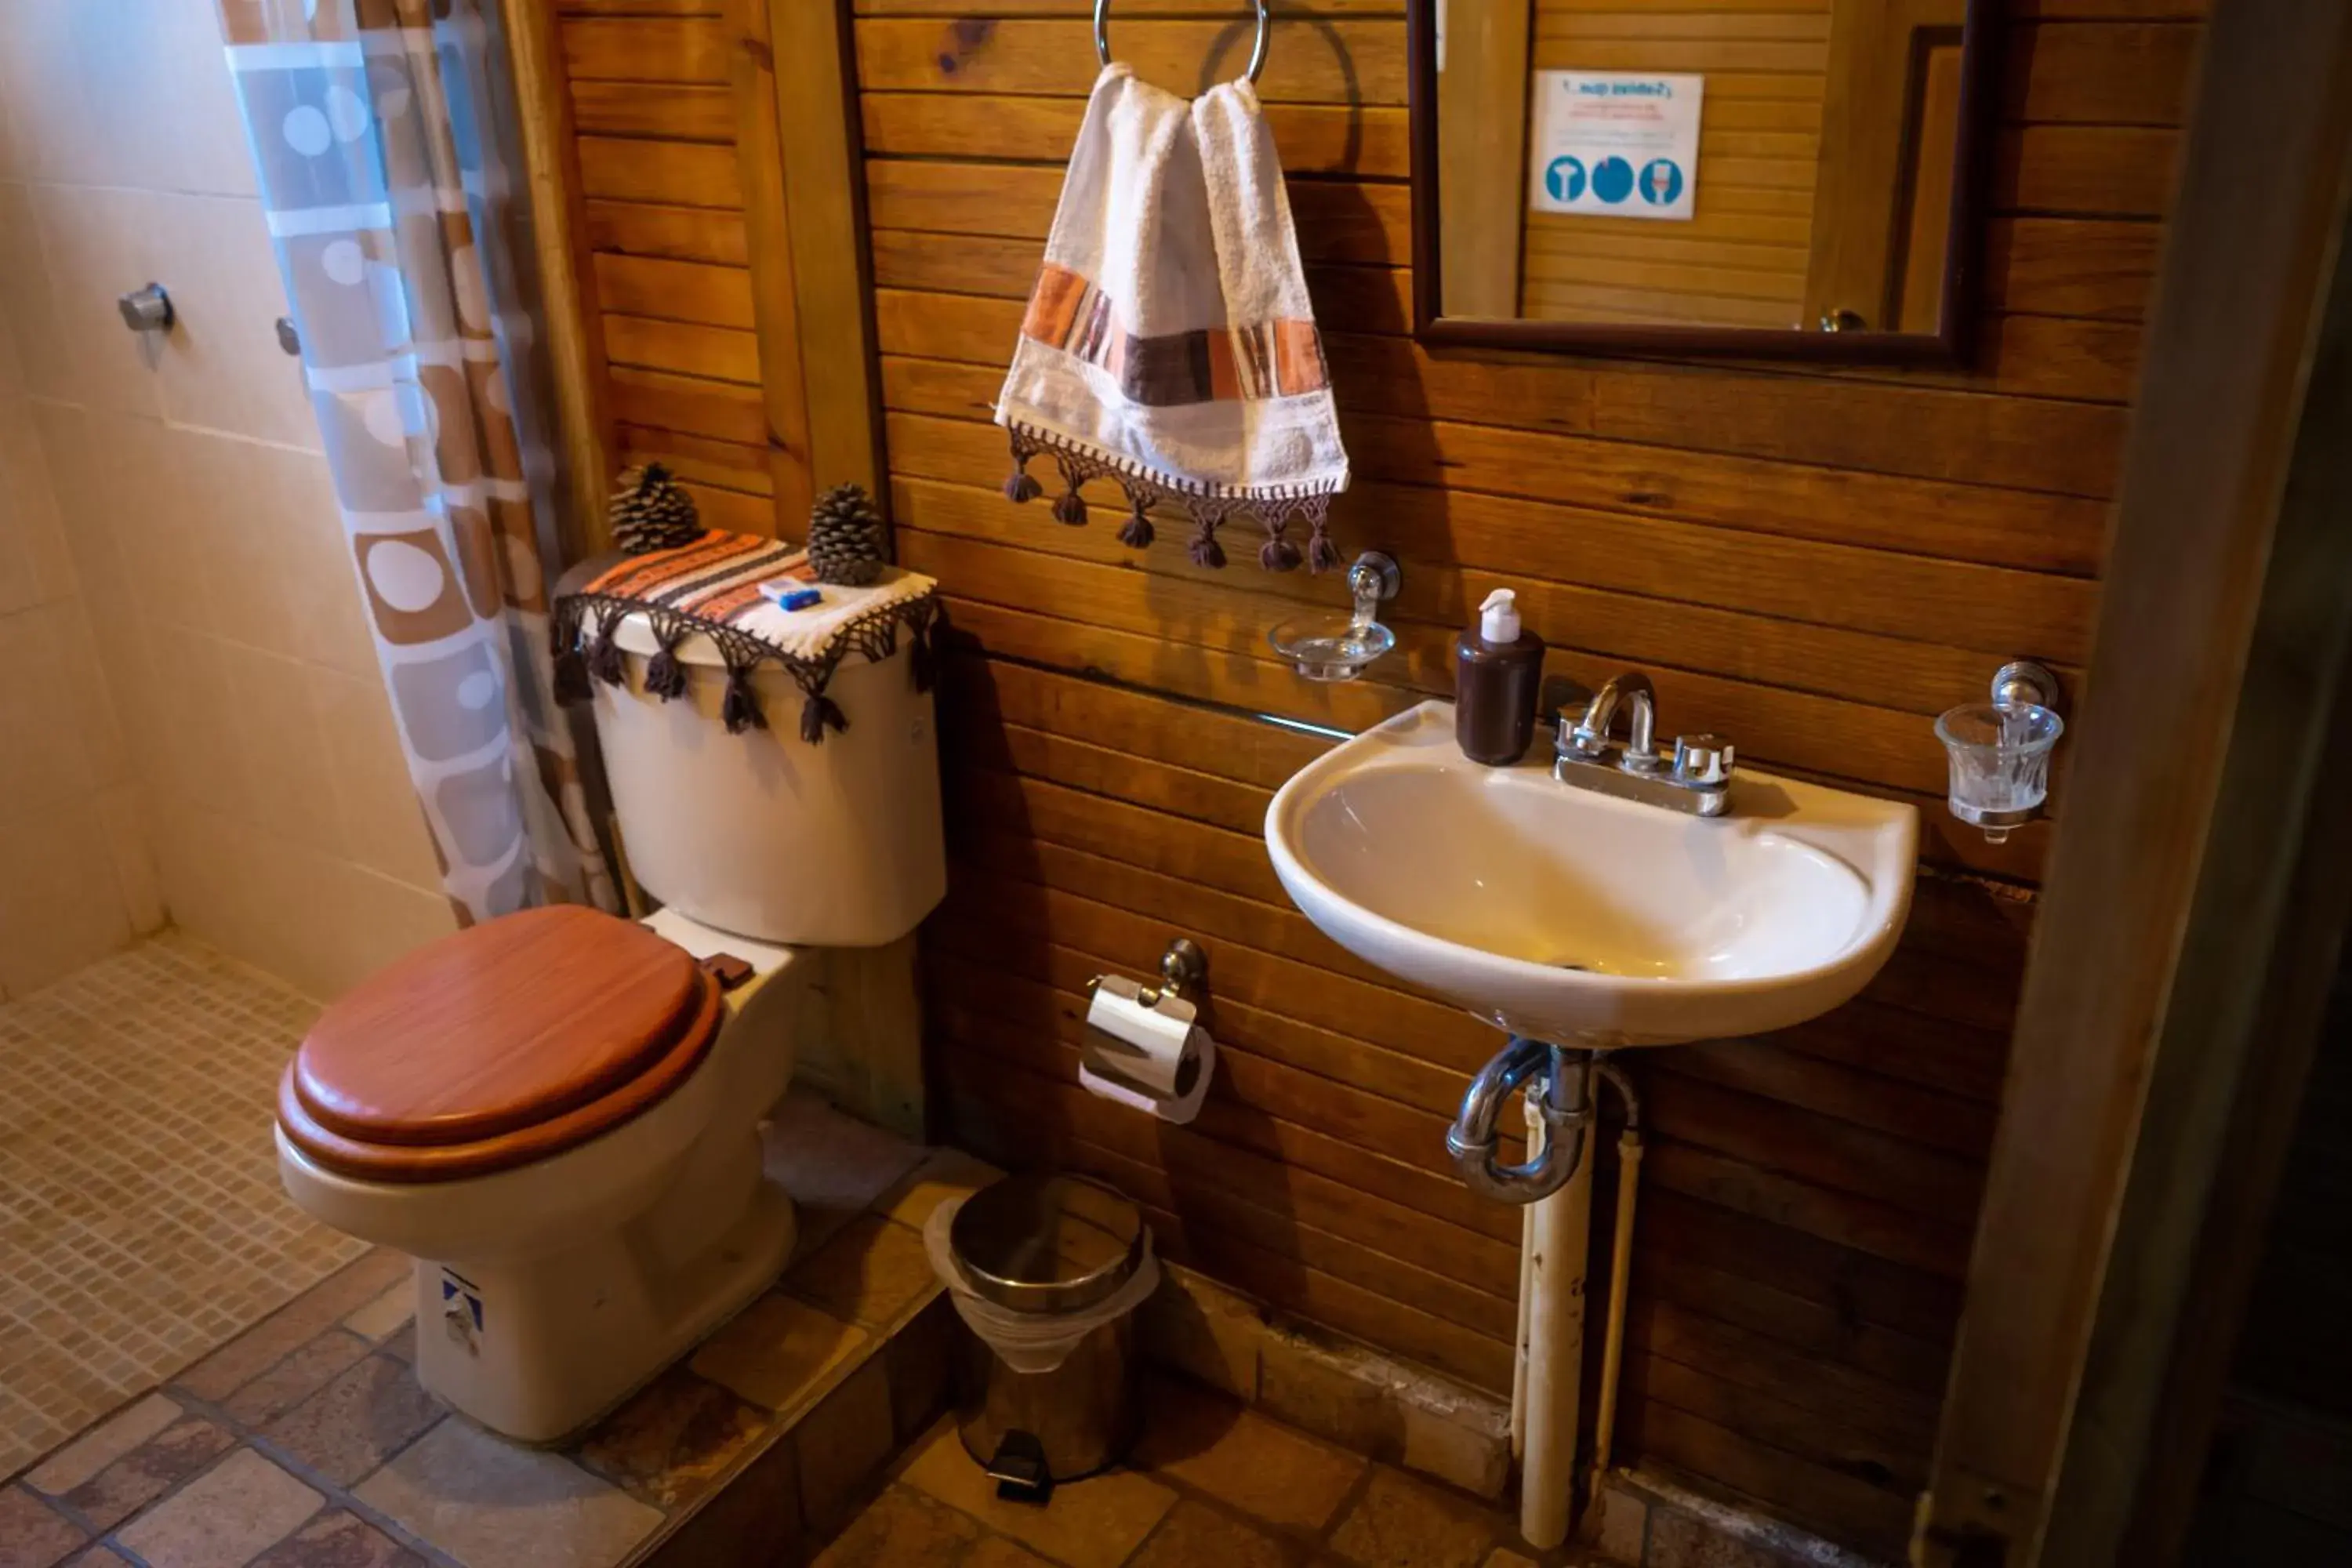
{"x":1019,"y":1470}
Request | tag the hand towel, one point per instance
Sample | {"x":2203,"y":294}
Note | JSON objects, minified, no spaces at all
{"x":1170,"y":344}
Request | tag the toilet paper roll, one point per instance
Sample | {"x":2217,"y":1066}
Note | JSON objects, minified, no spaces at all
{"x":1151,"y":1058}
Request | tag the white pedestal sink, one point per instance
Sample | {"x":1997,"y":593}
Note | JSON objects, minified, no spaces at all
{"x":1565,"y":915}
{"x":1570,"y":916}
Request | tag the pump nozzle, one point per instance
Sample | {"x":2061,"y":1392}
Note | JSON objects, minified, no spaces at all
{"x":1498,"y":618}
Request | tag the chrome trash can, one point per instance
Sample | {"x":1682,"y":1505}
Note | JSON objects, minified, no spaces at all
{"x":1047,"y":1273}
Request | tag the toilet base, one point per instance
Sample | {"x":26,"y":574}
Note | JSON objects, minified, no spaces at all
{"x":538,"y":1347}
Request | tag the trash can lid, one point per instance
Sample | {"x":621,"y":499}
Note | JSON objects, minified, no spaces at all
{"x":1047,"y":1244}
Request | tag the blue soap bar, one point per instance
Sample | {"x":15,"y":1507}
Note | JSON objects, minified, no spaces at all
{"x":790,"y":595}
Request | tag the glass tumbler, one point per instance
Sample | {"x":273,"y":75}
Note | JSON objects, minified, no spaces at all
{"x":2001,"y":762}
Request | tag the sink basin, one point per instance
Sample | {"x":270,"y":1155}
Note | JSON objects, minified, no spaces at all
{"x":1567,"y":916}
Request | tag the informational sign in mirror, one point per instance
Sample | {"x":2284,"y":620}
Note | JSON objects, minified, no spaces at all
{"x":1615,"y":145}
{"x":1558,"y":148}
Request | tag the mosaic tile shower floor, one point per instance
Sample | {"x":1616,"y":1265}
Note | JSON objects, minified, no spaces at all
{"x":141,"y":1225}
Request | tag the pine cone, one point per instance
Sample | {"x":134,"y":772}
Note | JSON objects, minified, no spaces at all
{"x":845,"y":540}
{"x":651,"y":510}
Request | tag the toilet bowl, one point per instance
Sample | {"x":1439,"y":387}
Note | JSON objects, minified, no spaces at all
{"x":556,"y":1113}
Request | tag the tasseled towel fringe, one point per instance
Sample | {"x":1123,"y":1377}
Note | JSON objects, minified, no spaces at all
{"x":1070,"y":507}
{"x":1205,"y":551}
{"x":1136,"y":533}
{"x":1020,"y":488}
{"x":1209,"y":512}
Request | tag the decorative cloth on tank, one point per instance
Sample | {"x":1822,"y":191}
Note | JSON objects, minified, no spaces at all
{"x":1170,"y":344}
{"x":711,"y":589}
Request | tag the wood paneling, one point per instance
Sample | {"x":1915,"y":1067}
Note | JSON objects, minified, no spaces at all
{"x":644,"y":109}
{"x":1315,"y":138}
{"x":676,"y":174}
{"x":722,"y":347}
{"x":645,"y":49}
{"x":1313,"y":60}
{"x":1815,"y":563}
{"x":660,"y":181}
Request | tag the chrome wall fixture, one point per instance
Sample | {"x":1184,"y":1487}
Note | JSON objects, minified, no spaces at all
{"x":147,"y":310}
{"x":2024,"y":683}
{"x":2000,"y":751}
{"x":1257,"y":54}
{"x":1182,"y":968}
{"x":1325,"y":647}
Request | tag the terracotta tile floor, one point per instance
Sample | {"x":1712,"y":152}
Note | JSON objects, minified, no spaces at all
{"x":1211,"y":1485}
{"x":141,"y":1224}
{"x":305,"y":1442}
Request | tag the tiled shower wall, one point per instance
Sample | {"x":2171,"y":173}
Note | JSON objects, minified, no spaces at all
{"x":76,"y":878}
{"x":183,"y":656}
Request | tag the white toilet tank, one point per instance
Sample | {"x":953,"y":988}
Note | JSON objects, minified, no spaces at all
{"x":762,"y":834}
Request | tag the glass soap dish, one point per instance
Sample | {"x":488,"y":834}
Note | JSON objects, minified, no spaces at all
{"x":2001,"y":762}
{"x":1330,"y":647}
{"x":1338,"y":647}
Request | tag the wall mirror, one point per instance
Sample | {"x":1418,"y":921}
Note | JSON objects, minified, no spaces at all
{"x":1798,"y":178}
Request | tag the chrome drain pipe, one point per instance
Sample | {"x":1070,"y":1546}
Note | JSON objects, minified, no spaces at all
{"x":1563,"y":1100}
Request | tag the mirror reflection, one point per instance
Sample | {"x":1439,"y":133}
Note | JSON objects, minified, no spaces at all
{"x":1775,"y":164}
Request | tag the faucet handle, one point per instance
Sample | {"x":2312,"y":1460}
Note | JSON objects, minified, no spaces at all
{"x":1574,"y":737}
{"x":1702,"y":760}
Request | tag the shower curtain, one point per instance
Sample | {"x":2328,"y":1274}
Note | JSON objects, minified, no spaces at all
{"x":378,"y":130}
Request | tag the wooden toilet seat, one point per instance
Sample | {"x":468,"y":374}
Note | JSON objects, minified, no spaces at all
{"x":502,"y":1045}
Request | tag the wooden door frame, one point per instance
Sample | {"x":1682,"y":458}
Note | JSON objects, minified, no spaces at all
{"x":1866,"y":171}
{"x":2169,"y":993}
{"x":568,"y":307}
{"x":1483,"y":140}
{"x":822,"y":159}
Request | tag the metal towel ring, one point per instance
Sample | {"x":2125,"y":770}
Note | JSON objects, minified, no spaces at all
{"x":1257,"y":55}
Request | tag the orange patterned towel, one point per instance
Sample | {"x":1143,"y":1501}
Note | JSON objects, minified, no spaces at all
{"x":1170,"y":346}
{"x":711,"y":589}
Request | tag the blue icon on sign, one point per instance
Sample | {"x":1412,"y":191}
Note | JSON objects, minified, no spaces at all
{"x":1612,"y":179}
{"x":1662,"y":182}
{"x":1565,"y":179}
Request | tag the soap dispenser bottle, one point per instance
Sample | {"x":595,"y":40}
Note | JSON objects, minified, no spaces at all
{"x":1497,"y":679}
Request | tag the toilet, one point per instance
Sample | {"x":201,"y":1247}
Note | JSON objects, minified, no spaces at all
{"x":558,"y":1113}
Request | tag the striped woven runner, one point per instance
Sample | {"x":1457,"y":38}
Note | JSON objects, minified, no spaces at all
{"x":716,"y":578}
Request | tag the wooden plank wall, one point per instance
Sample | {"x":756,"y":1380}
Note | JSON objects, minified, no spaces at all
{"x":1813,"y":562}
{"x":658,"y":110}
{"x":1742,"y":259}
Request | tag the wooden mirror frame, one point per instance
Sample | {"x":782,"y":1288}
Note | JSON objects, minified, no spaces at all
{"x":1963,"y":252}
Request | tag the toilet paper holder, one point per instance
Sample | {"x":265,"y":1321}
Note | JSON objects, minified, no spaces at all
{"x":1144,"y":1047}
{"x":1182,"y":968}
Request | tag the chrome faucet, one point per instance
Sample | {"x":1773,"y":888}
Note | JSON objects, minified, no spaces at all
{"x":1559,"y":1080}
{"x":1590,"y":739}
{"x":1696,"y":778}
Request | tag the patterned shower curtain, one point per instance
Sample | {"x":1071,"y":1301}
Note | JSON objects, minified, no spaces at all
{"x":377,"y":127}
